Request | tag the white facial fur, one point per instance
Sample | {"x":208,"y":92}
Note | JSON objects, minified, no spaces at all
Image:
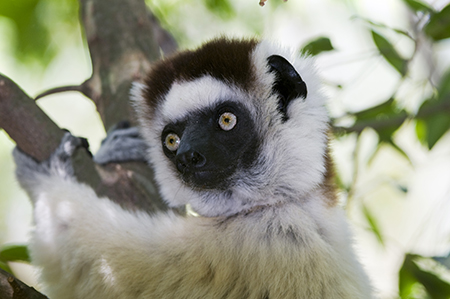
{"x":291,"y":163}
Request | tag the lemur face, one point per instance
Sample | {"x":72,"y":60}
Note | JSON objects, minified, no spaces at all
{"x":230,"y":125}
{"x":208,"y":146}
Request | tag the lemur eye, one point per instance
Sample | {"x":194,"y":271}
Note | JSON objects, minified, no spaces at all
{"x":172,"y":142}
{"x":227,"y":121}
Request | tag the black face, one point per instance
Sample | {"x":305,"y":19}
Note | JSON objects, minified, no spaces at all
{"x":209,"y":146}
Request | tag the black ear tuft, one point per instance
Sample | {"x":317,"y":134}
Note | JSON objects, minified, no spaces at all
{"x":288,"y":84}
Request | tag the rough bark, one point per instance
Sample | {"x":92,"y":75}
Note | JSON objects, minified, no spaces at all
{"x":32,"y":130}
{"x":11,"y":287}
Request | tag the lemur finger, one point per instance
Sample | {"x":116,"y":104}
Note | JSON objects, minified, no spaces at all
{"x":60,"y":161}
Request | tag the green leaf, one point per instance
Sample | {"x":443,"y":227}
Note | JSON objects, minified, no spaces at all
{"x":5,"y":267}
{"x":379,"y":112}
{"x":385,"y":119}
{"x":438,"y":27}
{"x":406,"y":278}
{"x":436,"y":127}
{"x":222,"y":8}
{"x":317,"y":46}
{"x":374,"y":227}
{"x":421,"y":131}
{"x":432,"y":126}
{"x":14,"y":253}
{"x":433,"y":117}
{"x":410,"y":274}
{"x":32,"y":38}
{"x":35,"y":24}
{"x":417,"y":5}
{"x":388,"y":51}
{"x":444,"y":86}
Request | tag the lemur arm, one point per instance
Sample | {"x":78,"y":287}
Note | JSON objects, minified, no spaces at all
{"x":89,"y":247}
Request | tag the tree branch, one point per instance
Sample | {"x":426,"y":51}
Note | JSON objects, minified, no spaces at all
{"x":11,"y":287}
{"x":32,"y":130}
{"x":83,"y":88}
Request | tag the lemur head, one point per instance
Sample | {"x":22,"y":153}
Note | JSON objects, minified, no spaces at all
{"x":234,"y":125}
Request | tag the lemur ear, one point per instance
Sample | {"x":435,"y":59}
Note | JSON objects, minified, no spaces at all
{"x":288,"y":84}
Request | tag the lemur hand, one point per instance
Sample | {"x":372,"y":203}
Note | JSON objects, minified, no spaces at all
{"x":30,"y":172}
{"x":122,"y":143}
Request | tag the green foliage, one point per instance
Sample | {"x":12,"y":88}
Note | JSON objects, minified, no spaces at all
{"x":433,"y":117}
{"x":411,"y":274}
{"x":391,"y":55}
{"x":383,"y":113}
{"x":417,"y":6}
{"x":431,"y":128}
{"x":444,"y":87}
{"x":13,"y":253}
{"x":438,"y":27}
{"x":5,"y":267}
{"x":317,"y":46}
{"x":373,"y":224}
{"x":33,"y":35}
{"x":432,"y":120}
{"x":222,"y":8}
{"x":385,"y":119}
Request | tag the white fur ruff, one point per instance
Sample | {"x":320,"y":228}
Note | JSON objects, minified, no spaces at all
{"x":89,"y":247}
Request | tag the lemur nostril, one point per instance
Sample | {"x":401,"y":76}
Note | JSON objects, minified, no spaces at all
{"x":189,"y":160}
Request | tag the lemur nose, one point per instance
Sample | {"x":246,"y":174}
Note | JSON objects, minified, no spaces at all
{"x":189,"y":160}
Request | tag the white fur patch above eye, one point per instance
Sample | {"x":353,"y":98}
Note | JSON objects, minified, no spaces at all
{"x":185,"y":97}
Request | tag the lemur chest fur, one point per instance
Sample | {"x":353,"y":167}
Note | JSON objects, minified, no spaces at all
{"x":266,"y":252}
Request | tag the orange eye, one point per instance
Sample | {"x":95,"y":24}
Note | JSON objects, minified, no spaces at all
{"x":227,"y":121}
{"x":172,"y":142}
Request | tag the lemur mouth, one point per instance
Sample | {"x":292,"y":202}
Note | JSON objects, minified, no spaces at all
{"x":208,"y":179}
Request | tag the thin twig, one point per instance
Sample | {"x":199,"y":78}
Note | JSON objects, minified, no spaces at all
{"x":58,"y":90}
{"x":352,"y":187}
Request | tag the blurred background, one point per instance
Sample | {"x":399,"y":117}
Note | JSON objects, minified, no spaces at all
{"x":385,"y":66}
